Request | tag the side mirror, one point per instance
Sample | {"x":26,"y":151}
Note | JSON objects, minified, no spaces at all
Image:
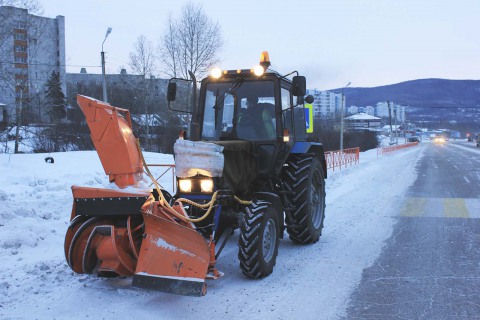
{"x":309,"y":99}
{"x":299,"y":86}
{"x":171,"y":91}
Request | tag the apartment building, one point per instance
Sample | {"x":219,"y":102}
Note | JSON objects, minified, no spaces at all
{"x":326,"y":103}
{"x":31,"y":48}
{"x":81,"y":82}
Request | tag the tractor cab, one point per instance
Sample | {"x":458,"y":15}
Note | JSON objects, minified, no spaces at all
{"x":255,"y":111}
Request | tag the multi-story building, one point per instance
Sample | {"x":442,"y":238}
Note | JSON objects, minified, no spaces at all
{"x":326,"y":103}
{"x":31,"y":48}
{"x":81,"y":82}
{"x":381,"y":110}
{"x":369,"y":110}
{"x":352,"y":110}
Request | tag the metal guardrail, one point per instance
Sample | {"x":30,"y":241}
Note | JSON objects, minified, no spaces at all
{"x":338,"y":158}
{"x":384,"y":150}
{"x":169,"y":167}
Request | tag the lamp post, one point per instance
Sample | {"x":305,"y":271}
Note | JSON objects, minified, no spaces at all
{"x":341,"y":117}
{"x":104,"y":80}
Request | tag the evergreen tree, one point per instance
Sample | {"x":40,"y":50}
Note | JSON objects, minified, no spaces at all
{"x":55,"y":98}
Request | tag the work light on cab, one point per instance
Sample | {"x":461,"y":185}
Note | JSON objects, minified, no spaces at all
{"x":258,"y":70}
{"x":216,"y":73}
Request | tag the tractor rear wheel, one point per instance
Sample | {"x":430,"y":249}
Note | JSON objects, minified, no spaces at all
{"x":259,"y":238}
{"x":305,"y":183}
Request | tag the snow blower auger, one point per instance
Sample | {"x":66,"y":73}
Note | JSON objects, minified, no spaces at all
{"x":136,"y":233}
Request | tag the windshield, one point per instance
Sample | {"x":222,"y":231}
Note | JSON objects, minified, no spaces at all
{"x":239,"y":110}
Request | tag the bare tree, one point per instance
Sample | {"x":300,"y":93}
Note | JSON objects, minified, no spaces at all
{"x":143,"y":60}
{"x":191,"y":42}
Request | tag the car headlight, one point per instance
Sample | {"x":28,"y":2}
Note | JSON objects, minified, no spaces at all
{"x":206,"y":185}
{"x":185,"y":185}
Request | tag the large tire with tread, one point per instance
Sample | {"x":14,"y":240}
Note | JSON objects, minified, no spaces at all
{"x":305,"y":185}
{"x":259,"y":238}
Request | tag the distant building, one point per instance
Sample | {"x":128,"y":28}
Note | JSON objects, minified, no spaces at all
{"x":31,"y":48}
{"x":91,"y":84}
{"x":326,"y":103}
{"x":388,"y":130}
{"x":381,"y":110}
{"x":362,"y":122}
{"x":352,"y":110}
{"x":369,"y":110}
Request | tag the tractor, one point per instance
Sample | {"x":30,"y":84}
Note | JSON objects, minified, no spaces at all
{"x":246,"y":163}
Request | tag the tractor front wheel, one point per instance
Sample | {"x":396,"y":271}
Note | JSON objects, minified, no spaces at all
{"x":259,"y":238}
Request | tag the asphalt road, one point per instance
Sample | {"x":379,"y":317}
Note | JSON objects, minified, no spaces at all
{"x":430,"y":267}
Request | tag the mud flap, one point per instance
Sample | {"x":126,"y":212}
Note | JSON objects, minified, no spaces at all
{"x":173,"y":258}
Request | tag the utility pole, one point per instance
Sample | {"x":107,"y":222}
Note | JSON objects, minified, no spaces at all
{"x":396,"y":129}
{"x":104,"y":79}
{"x":341,"y":117}
{"x":18,"y":112}
{"x":390,"y":120}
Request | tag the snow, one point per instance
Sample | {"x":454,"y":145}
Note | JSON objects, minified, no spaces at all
{"x":362,"y":116}
{"x":308,"y":282}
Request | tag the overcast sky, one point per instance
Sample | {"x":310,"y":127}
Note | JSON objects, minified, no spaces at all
{"x":367,"y":43}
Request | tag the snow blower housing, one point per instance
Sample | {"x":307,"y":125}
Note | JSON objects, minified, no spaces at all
{"x":246,"y":164}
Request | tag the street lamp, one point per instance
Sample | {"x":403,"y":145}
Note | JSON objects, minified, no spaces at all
{"x":341,"y":117}
{"x":104,"y":81}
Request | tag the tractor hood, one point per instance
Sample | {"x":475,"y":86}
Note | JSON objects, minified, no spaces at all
{"x":232,"y":160}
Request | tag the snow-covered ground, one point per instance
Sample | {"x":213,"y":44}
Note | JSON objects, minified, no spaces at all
{"x":308,"y":282}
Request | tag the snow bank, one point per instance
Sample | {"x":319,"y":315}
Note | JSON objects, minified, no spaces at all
{"x":309,"y":282}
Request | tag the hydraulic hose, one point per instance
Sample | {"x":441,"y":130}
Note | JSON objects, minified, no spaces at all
{"x":208,"y":206}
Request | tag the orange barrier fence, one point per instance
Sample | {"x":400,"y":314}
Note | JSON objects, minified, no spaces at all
{"x":168,"y":167}
{"x":383,"y":150}
{"x":339,"y":159}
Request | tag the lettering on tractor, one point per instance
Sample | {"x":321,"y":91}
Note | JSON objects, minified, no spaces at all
{"x":245,"y":163}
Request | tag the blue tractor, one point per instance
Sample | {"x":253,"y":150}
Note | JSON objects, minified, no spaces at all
{"x":247,"y":147}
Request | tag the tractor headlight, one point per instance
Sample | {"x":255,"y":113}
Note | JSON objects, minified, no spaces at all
{"x":185,"y":185}
{"x":206,"y":185}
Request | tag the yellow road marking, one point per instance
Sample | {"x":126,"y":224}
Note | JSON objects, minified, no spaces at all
{"x":455,"y":208}
{"x":414,"y":207}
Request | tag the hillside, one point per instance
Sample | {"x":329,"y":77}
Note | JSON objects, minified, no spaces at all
{"x":432,"y":93}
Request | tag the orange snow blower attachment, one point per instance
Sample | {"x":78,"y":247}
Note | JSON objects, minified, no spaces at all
{"x":174,"y":257}
{"x":132,"y":232}
{"x":113,"y":138}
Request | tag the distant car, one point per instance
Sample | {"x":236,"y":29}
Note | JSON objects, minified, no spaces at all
{"x":414,"y":139}
{"x":439,"y":140}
